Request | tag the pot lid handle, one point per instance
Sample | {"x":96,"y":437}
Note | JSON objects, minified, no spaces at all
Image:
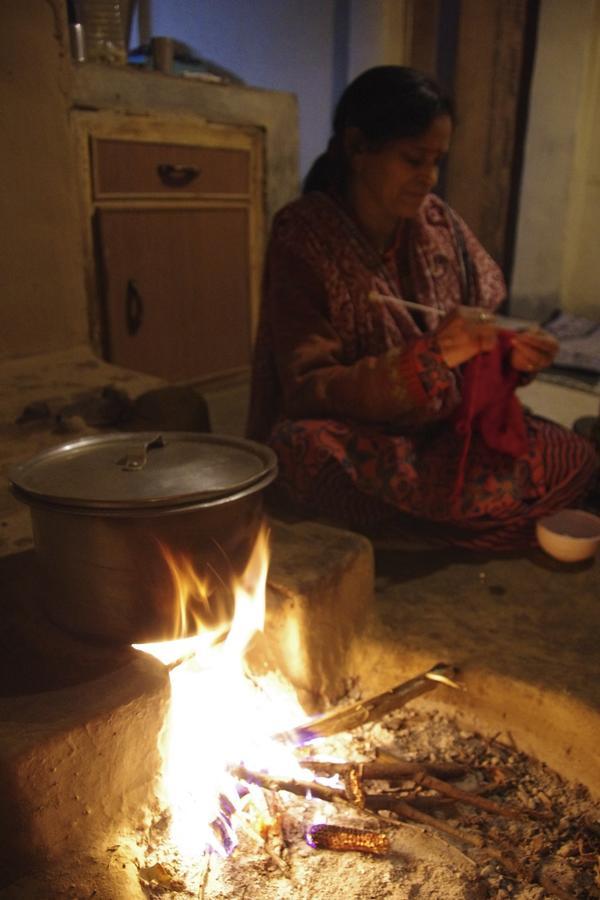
{"x":137,"y":457}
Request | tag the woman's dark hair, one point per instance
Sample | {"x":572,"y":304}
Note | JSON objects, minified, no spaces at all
{"x":384,"y":103}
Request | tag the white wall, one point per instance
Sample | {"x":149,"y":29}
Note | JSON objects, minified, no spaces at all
{"x":272,"y":44}
{"x":379,"y":34}
{"x":309,"y":47}
{"x":547,"y":222}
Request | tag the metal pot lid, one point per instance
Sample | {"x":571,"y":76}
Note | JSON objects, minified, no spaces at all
{"x":133,"y":471}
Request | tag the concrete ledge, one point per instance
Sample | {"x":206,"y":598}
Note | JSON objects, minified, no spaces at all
{"x":79,"y":722}
{"x":78,"y":766}
{"x":320,"y":594}
{"x":79,"y":728}
{"x":56,"y":379}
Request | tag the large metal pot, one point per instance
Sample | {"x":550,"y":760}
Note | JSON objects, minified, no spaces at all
{"x":104,"y":508}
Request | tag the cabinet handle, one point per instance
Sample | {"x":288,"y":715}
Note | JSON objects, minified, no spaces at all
{"x":134,"y":308}
{"x":177,"y":176}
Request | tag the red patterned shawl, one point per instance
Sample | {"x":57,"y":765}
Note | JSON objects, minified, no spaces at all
{"x":325,"y":349}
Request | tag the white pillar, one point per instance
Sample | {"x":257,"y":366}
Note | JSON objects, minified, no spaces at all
{"x":563,"y":33}
{"x":380,"y":32}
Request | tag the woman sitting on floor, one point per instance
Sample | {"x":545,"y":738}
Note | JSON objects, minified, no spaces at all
{"x":379,"y":411}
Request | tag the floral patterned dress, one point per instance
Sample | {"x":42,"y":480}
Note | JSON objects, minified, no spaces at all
{"x":352,"y":393}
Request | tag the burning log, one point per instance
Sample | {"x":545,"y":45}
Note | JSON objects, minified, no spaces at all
{"x":300,"y":788}
{"x":420,"y":773}
{"x":374,"y":804}
{"x":335,"y":837}
{"x":371,"y":710}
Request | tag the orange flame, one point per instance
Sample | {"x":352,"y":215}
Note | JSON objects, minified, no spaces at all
{"x":195,"y":602}
{"x":217,"y":716}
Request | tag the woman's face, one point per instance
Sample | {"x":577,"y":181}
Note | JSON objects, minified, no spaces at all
{"x":393,"y":182}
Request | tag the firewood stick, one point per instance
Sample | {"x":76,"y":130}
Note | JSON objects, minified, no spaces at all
{"x":384,"y":771}
{"x":498,"y":809}
{"x":385,"y":756}
{"x":402,"y":808}
{"x":428,"y":779}
{"x":334,"y":795}
{"x":337,"y":796}
{"x":371,"y":710}
{"x":324,"y":792}
{"x":300,"y":788}
{"x":253,"y":833}
{"x":426,"y":802}
{"x":205,"y":874}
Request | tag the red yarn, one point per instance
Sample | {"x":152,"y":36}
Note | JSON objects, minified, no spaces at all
{"x":489,"y":405}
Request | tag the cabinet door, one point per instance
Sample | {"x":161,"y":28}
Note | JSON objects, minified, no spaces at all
{"x":176,"y":289}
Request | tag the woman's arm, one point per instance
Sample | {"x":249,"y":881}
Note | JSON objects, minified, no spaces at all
{"x":533,"y":351}
{"x":410,"y":385}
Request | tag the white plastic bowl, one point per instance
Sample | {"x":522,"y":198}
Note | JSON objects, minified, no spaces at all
{"x":569,"y":535}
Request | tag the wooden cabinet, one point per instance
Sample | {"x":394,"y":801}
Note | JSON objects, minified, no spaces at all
{"x":173,"y":230}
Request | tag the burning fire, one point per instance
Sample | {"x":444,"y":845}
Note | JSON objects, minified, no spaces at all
{"x":218,"y":717}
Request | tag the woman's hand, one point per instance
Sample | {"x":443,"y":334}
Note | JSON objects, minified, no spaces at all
{"x":533,"y":351}
{"x":460,"y":338}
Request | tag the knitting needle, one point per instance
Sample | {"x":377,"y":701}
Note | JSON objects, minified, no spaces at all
{"x":469,"y":312}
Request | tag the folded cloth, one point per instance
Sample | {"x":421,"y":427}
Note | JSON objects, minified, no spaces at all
{"x":489,"y":405}
{"x":579,"y":342}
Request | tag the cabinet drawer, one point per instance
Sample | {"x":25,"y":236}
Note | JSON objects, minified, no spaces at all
{"x":139,"y":168}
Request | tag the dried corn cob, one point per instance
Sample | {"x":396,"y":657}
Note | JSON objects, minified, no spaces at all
{"x":353,"y":787}
{"x":336,"y":837}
